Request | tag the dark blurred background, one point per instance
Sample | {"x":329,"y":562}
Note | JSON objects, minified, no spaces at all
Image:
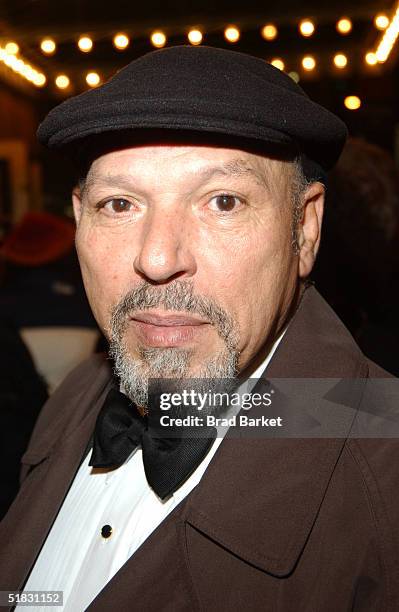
{"x":344,"y":54}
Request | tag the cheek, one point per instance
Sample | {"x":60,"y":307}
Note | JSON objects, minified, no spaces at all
{"x":271,"y":271}
{"x":102,"y":268}
{"x":255,"y":273}
{"x":251,"y":262}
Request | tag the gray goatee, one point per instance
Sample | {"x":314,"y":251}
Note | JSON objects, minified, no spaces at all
{"x":135,"y":372}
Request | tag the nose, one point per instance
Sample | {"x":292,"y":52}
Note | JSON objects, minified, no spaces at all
{"x":165,"y":252}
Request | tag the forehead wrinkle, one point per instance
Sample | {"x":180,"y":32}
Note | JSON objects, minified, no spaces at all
{"x":107,"y":180}
{"x":234,"y":168}
{"x":237,"y":167}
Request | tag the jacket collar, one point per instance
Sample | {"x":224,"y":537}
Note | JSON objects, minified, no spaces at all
{"x":259,"y":498}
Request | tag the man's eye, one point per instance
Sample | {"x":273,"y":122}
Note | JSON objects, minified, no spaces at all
{"x":118,"y":205}
{"x":225,"y":202}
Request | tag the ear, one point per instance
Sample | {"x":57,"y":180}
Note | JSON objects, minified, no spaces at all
{"x":77,"y":204}
{"x":309,"y":228}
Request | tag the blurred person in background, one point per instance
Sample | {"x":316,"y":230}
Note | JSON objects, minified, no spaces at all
{"x":42,"y":294}
{"x":357,"y":269}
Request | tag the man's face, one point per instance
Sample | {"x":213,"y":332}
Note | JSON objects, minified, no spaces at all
{"x":186,"y":254}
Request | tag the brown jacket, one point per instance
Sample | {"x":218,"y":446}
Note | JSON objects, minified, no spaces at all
{"x":281,"y":525}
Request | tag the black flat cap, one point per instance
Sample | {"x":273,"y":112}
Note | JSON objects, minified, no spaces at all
{"x":202,"y":90}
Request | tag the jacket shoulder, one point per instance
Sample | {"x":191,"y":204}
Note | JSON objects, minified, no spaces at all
{"x":375,"y":371}
{"x":69,"y":403}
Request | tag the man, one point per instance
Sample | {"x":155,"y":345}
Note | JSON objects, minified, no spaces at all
{"x":198,"y":215}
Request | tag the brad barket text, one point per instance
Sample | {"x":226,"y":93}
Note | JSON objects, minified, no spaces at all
{"x":241,"y":420}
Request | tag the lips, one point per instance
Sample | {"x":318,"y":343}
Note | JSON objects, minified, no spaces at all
{"x":167,"y":320}
{"x":167,"y":330}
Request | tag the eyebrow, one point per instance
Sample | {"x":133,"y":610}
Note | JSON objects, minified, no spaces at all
{"x":233,"y":168}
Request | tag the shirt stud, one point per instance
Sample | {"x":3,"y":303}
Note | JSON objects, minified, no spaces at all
{"x":106,"y":531}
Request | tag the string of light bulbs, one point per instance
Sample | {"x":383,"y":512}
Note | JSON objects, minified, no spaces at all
{"x":389,"y":38}
{"x":10,"y":57}
{"x":232,"y":34}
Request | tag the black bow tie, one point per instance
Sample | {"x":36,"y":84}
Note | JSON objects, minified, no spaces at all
{"x":168,"y":462}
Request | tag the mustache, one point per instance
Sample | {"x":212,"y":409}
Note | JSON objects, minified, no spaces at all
{"x":177,"y":296}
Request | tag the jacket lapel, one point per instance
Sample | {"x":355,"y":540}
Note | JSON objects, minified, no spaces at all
{"x":157,"y":576}
{"x":259,"y":497}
